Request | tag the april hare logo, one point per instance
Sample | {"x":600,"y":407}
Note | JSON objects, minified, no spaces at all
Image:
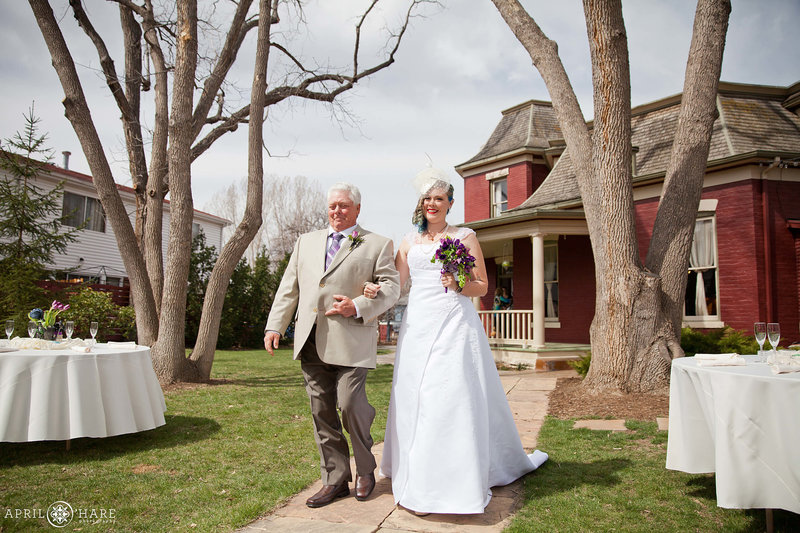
{"x":59,"y":514}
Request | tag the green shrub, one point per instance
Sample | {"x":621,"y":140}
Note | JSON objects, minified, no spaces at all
{"x":89,"y":305}
{"x":726,"y":340}
{"x":125,"y":323}
{"x":582,"y":365}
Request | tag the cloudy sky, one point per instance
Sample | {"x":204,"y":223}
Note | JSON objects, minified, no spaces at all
{"x":458,"y":67}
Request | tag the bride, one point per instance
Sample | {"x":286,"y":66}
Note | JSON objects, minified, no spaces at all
{"x":450,"y":434}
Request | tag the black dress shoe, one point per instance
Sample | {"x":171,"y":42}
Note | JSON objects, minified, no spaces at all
{"x":327,"y":494}
{"x":364,"y":486}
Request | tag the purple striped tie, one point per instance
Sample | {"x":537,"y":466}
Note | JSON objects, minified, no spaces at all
{"x":335,"y":244}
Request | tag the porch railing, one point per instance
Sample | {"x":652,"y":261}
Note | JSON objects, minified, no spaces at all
{"x":508,"y":327}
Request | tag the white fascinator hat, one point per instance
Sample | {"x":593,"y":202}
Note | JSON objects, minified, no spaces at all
{"x":429,"y":178}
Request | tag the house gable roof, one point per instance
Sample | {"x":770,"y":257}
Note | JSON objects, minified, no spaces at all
{"x":530,"y":126}
{"x":753,"y":119}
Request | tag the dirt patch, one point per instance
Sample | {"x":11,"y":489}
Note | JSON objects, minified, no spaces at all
{"x":181,"y":386}
{"x":145,"y":469}
{"x":571,"y":400}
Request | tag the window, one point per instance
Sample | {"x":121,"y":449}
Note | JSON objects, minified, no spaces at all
{"x":196,"y":229}
{"x":505,"y":279}
{"x":551,"y":280}
{"x":701,"y":287}
{"x":499,"y":196}
{"x":78,"y":209}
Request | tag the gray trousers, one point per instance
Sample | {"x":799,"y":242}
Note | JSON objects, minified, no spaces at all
{"x":328,"y":386}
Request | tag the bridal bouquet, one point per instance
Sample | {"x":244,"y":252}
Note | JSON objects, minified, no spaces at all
{"x":455,"y":259}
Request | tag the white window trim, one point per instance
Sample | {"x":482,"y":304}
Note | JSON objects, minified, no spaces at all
{"x":554,"y":319}
{"x":495,"y":206}
{"x":497,"y":174}
{"x":709,"y":321}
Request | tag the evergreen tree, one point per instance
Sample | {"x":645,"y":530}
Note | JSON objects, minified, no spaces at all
{"x":32,"y":227}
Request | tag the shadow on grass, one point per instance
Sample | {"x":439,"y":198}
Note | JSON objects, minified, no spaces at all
{"x":381,"y":376}
{"x":702,"y":487}
{"x":178,"y":431}
{"x":555,"y":477}
{"x":705,"y":487}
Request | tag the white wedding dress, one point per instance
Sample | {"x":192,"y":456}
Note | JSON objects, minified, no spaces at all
{"x":450,"y":434}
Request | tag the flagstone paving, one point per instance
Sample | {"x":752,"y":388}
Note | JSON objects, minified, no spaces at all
{"x":527,"y":393}
{"x":601,"y":425}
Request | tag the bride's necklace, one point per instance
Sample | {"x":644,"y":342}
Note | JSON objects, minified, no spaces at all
{"x":435,"y":237}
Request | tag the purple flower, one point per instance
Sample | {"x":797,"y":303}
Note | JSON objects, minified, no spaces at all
{"x":455,"y":259}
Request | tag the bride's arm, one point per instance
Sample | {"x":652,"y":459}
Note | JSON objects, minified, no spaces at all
{"x":401,"y":261}
{"x":478,"y":284}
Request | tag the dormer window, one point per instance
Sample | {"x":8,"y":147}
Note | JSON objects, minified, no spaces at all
{"x":499,"y":196}
{"x":498,"y":183}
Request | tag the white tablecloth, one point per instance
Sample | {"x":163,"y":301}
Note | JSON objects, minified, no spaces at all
{"x":62,"y":394}
{"x":742,"y":422}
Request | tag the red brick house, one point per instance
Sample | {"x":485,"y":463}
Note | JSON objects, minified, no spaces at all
{"x":522,"y":199}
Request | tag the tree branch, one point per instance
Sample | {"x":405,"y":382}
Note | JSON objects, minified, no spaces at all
{"x":106,"y":62}
{"x":303,"y":88}
{"x":227,"y":56}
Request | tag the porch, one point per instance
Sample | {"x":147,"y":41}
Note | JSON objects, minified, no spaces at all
{"x":511,"y":337}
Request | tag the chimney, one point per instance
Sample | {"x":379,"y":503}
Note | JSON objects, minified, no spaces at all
{"x":66,"y":155}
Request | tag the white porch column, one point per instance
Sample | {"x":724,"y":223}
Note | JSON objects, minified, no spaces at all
{"x":537,"y":239}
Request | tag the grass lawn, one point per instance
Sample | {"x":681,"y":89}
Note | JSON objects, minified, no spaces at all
{"x":604,"y":481}
{"x":233,"y":450}
{"x":228,"y":453}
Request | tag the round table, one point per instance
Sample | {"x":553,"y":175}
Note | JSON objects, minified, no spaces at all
{"x":741,"y":422}
{"x":64,"y":394}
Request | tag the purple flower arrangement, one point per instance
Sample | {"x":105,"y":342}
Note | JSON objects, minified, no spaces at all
{"x":455,"y":259}
{"x":47,"y":318}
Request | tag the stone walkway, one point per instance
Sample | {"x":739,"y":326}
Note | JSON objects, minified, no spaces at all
{"x":527,"y":393}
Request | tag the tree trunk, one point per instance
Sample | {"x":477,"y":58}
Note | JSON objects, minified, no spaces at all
{"x":77,"y":111}
{"x":169,"y":359}
{"x":671,"y":243}
{"x":618,"y":276}
{"x":157,"y":179}
{"x":203,"y":354}
{"x":635,"y":332}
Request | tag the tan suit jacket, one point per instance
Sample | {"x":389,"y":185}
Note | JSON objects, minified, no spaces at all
{"x":306,"y":292}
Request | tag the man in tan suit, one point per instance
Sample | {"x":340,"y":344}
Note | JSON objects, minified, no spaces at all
{"x":336,"y":335}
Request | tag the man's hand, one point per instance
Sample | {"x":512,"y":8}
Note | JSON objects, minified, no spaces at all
{"x":371,"y":289}
{"x":343,"y":306}
{"x":271,"y":340}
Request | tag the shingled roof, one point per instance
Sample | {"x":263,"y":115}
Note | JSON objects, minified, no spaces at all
{"x":530,"y":126}
{"x":752,"y":119}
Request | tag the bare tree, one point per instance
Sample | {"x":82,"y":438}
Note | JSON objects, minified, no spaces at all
{"x":195,"y":76}
{"x":292,"y":206}
{"x":636,"y":328}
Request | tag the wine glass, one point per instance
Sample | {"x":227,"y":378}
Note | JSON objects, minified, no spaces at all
{"x":9,"y":328}
{"x":93,"y":330}
{"x":69,"y":327}
{"x":32,"y":327}
{"x":761,"y":335}
{"x":774,"y":334}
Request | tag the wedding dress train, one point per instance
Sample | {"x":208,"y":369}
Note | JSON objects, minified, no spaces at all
{"x":450,"y":434}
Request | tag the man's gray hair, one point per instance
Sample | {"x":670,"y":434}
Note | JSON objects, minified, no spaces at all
{"x":349,"y":188}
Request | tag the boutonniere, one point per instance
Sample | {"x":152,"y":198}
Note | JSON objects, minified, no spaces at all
{"x":355,"y":239}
